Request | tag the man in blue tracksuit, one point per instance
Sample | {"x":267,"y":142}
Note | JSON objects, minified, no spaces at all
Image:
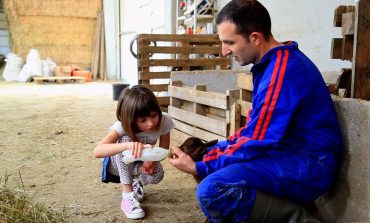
{"x":289,"y":150}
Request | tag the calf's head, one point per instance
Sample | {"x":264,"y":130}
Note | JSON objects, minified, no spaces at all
{"x":195,"y":148}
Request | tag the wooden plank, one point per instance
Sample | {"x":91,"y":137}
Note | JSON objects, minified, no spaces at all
{"x":145,"y":75}
{"x":163,"y":100}
{"x":348,"y":23}
{"x":213,"y":125}
{"x":182,"y":38}
{"x":175,"y":102}
{"x":234,"y":118}
{"x":244,"y":107}
{"x":342,"y":48}
{"x":339,"y":12}
{"x":336,"y":48}
{"x":214,"y":99}
{"x":338,"y":15}
{"x":183,"y":62}
{"x":59,"y":79}
{"x":96,"y":49}
{"x":347,"y":51}
{"x":183,"y":49}
{"x":156,"y":87}
{"x":361,"y":55}
{"x":232,"y":98}
{"x":245,"y":81}
{"x":180,"y":49}
{"x":246,"y":95}
{"x":199,"y":108}
{"x":193,"y":131}
{"x":176,"y":83}
{"x":216,"y":113}
{"x":142,"y":42}
{"x":233,"y":112}
{"x":184,"y":56}
{"x":344,"y":82}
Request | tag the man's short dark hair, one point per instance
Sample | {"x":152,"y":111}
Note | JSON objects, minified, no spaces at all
{"x":248,"y":16}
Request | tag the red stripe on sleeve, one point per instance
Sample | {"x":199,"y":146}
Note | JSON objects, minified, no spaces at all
{"x":275,"y":96}
{"x":268,"y":96}
{"x":214,"y":154}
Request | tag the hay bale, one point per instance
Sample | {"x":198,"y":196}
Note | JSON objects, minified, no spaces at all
{"x":60,"y":8}
{"x":62,"y":30}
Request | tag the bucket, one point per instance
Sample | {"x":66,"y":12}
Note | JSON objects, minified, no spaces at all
{"x":117,"y":88}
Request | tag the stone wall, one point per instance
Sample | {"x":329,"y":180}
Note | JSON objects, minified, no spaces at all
{"x":349,"y":201}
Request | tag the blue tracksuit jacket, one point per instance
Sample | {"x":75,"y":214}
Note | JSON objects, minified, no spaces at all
{"x":290,"y":146}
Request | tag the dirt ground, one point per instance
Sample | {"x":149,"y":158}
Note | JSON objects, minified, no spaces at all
{"x":47,"y":134}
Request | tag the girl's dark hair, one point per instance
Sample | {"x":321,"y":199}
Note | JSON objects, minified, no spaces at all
{"x":248,"y":16}
{"x":133,"y":103}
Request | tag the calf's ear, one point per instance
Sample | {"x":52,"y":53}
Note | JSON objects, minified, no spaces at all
{"x":210,"y":143}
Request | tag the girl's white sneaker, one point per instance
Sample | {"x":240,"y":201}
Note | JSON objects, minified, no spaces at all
{"x":131,"y":207}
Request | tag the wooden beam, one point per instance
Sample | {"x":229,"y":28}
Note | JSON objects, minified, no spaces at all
{"x":336,"y":48}
{"x":233,"y":112}
{"x":213,"y":99}
{"x":197,"y":107}
{"x":218,"y":127}
{"x":165,"y":100}
{"x":183,"y":62}
{"x":339,"y":12}
{"x":244,"y":107}
{"x":156,"y":87}
{"x":199,"y":38}
{"x":344,"y":82}
{"x":183,"y":49}
{"x":348,"y":23}
{"x":245,"y":81}
{"x":342,"y":48}
{"x":347,"y":50}
{"x":145,"y":75}
{"x":361,"y":55}
{"x":192,"y":131}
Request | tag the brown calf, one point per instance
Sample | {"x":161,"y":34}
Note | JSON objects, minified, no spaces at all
{"x":195,"y":148}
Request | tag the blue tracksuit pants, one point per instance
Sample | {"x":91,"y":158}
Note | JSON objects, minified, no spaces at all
{"x":228,"y":194}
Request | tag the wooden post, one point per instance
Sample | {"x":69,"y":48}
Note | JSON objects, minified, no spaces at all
{"x":144,"y":57}
{"x":233,"y":111}
{"x":361,"y":52}
{"x":199,"y":108}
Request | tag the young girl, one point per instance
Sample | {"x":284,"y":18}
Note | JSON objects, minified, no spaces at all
{"x":140,"y":123}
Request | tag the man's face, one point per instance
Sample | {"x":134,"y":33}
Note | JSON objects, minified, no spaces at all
{"x":236,"y":45}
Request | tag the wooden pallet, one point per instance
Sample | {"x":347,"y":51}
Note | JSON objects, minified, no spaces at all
{"x":208,"y":107}
{"x":59,"y":80}
{"x":176,"y":53}
{"x":354,"y":47}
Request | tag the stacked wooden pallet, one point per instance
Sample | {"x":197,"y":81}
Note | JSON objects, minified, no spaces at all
{"x":354,"y":46}
{"x":208,"y":104}
{"x":173,"y":53}
{"x":59,"y":80}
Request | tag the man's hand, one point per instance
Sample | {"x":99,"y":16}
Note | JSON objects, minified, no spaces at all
{"x":183,"y":162}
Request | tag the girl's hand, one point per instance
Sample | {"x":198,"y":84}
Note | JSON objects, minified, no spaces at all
{"x":147,"y":167}
{"x":137,"y":148}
